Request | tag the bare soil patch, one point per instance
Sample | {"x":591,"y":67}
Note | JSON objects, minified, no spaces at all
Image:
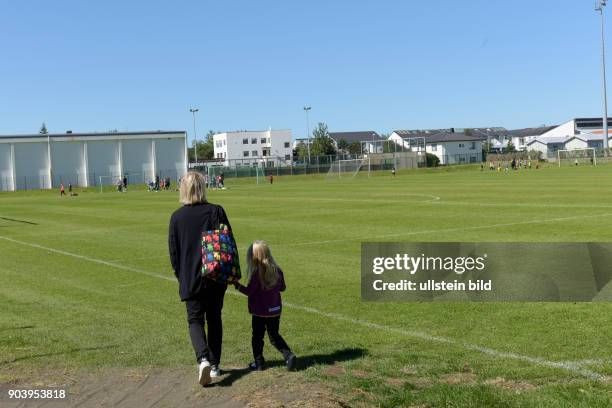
{"x":175,"y":388}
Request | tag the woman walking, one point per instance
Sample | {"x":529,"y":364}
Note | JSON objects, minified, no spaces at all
{"x":203,"y":297}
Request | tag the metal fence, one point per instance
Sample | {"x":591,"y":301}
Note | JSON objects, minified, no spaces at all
{"x":316,"y":165}
{"x":79,"y":180}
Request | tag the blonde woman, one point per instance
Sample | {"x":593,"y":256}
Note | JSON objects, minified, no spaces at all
{"x":203,"y":297}
{"x":265,"y":283}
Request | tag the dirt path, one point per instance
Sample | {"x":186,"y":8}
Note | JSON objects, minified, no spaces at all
{"x":175,"y":388}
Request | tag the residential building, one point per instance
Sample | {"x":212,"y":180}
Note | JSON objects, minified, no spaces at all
{"x":449,"y":146}
{"x":266,"y":147}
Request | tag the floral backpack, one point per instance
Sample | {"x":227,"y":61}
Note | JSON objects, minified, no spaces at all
{"x":220,"y":255}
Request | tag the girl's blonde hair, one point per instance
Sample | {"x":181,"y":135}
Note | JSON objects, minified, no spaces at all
{"x":259,"y":258}
{"x":192,"y":189}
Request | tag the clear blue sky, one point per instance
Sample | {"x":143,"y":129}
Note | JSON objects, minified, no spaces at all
{"x":361,"y":65}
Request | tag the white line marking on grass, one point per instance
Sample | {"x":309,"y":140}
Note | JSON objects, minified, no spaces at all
{"x":435,"y":231}
{"x":572,"y":367}
{"x":86,"y":258}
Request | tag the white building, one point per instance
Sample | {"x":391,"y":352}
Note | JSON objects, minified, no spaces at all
{"x":86,"y":159}
{"x":266,"y":147}
{"x":577,"y":133}
{"x":449,"y":147}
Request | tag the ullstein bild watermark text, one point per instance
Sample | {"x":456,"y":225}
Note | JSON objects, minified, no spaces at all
{"x":486,"y":272}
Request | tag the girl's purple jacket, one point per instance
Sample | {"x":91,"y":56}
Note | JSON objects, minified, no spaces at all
{"x":264,"y":302}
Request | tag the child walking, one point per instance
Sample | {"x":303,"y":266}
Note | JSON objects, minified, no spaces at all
{"x":265,"y":283}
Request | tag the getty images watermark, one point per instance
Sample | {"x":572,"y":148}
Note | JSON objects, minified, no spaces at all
{"x":486,"y":272}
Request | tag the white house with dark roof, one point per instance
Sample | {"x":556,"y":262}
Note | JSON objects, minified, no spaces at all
{"x":577,"y":133}
{"x":364,"y":136}
{"x":449,"y":147}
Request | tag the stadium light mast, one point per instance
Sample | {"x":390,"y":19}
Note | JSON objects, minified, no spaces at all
{"x":600,"y":8}
{"x":195,"y":139}
{"x":307,"y":109}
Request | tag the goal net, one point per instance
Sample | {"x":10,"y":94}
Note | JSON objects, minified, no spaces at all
{"x":577,"y":157}
{"x":345,"y":169}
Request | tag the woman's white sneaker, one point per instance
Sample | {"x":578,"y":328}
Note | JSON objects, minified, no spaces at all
{"x":204,"y":372}
{"x":215,"y":371}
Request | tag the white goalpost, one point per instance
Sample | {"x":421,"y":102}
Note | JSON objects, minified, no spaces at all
{"x":574,"y":157}
{"x":347,"y":169}
{"x":259,"y":175}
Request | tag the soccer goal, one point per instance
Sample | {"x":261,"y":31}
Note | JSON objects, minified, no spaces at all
{"x":346,"y":169}
{"x":577,"y":157}
{"x":260,"y":176}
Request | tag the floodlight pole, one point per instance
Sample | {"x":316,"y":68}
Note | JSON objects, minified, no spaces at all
{"x":600,"y":6}
{"x":307,"y":109}
{"x":195,"y":139}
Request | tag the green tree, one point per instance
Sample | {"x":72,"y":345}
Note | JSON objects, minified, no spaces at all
{"x":432,"y":160}
{"x":355,"y":148}
{"x":342,"y":144}
{"x":302,"y":151}
{"x":206,"y":149}
{"x":510,"y":148}
{"x":322,"y":144}
{"x":43,"y":129}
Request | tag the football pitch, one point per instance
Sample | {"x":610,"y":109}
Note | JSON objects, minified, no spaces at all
{"x":86,"y":284}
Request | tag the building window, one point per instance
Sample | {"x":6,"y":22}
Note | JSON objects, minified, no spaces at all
{"x":473,"y":146}
{"x":461,"y":145}
{"x":264,"y":153}
{"x":287,"y":157}
{"x":254,"y":153}
{"x":434,"y":147}
{"x":253,"y":140}
{"x":263,"y":140}
{"x":245,"y":141}
{"x":245,"y":153}
{"x":287,"y":145}
{"x":223,"y":142}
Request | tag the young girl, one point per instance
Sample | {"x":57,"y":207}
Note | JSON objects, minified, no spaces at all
{"x":265,"y":283}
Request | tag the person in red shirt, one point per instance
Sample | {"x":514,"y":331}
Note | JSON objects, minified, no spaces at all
{"x":62,"y":191}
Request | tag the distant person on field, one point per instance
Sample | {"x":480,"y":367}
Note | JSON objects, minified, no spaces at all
{"x":576,"y":162}
{"x":203,"y":297}
{"x":264,"y":287}
{"x":70,"y":188}
{"x":62,"y":192}
{"x":119,"y":185}
{"x":168,"y":183}
{"x":393,"y":171}
{"x":271,"y":178}
{"x":491,"y":166}
{"x":222,"y":180}
{"x":125,"y":183}
{"x":156,"y":183}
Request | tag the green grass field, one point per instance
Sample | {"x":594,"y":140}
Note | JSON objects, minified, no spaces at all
{"x":87,"y":283}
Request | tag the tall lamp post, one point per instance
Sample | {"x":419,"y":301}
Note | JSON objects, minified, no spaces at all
{"x":600,"y":7}
{"x":195,"y":139}
{"x":307,"y":109}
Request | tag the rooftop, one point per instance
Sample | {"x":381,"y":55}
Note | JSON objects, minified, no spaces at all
{"x":93,"y":134}
{"x":358,"y":136}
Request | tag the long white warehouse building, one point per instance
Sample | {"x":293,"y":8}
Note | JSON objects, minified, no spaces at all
{"x":87,"y":159}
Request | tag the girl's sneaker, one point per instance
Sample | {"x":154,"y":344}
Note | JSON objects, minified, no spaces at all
{"x":290,"y":362}
{"x":215,"y":371}
{"x":256,"y":366}
{"x":204,"y":372}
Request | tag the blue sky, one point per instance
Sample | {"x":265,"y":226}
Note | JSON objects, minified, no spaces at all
{"x":361,"y":65}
